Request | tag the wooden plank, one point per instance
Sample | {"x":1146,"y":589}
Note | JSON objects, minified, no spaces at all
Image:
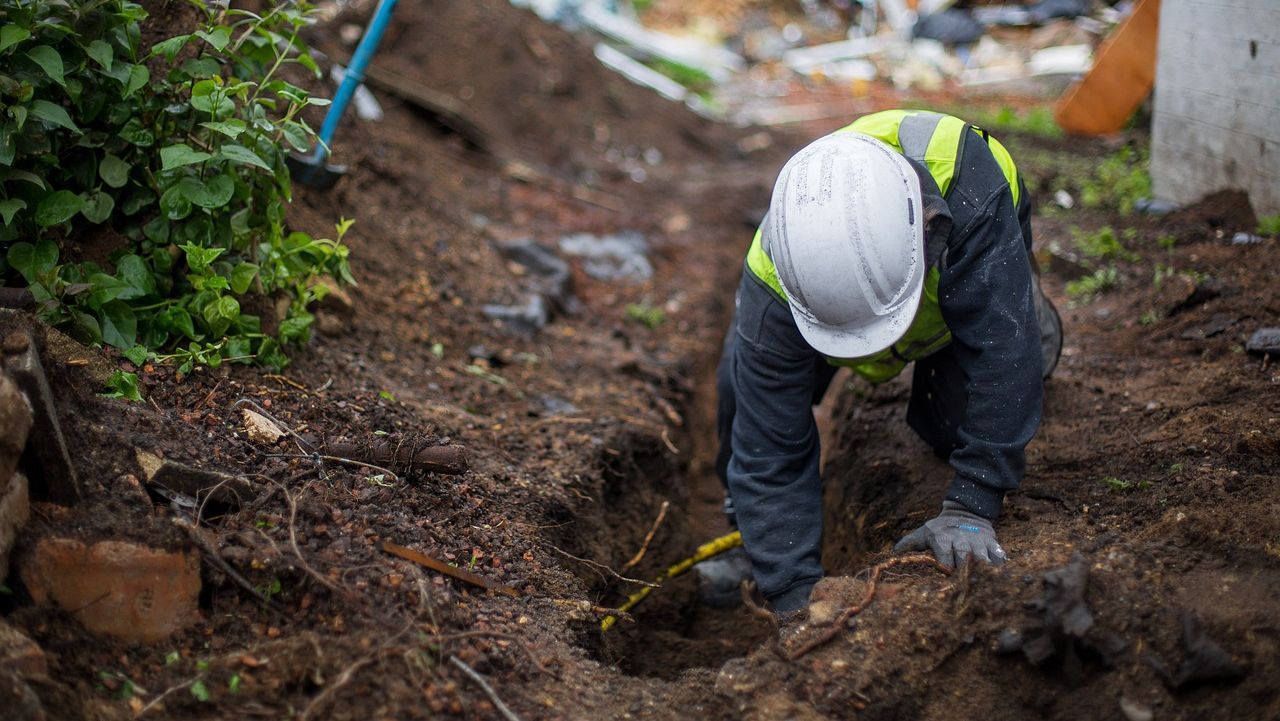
{"x":1121,"y":77}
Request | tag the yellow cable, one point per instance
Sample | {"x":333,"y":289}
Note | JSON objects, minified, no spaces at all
{"x":705,"y":551}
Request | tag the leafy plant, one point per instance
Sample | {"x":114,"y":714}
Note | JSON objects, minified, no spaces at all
{"x":123,"y":385}
{"x":1090,"y":286}
{"x":649,"y":316}
{"x":1269,"y":225}
{"x":185,"y":170}
{"x":200,"y":691}
{"x":1119,"y":181}
{"x":1104,"y":244}
{"x":1122,"y":485}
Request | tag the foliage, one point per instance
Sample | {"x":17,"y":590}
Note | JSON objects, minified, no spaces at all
{"x":123,"y":385}
{"x":177,"y":153}
{"x":694,"y":79}
{"x":1269,"y":225}
{"x":1104,"y":244}
{"x":645,"y":314}
{"x":1089,"y":287}
{"x":1119,"y":181}
{"x":1123,"y":485}
{"x":1032,"y":121}
{"x":200,"y":691}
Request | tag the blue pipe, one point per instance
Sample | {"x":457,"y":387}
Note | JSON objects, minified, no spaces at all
{"x":355,"y":75}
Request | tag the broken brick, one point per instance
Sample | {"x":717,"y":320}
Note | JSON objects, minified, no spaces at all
{"x":20,"y":654}
{"x":117,"y":588}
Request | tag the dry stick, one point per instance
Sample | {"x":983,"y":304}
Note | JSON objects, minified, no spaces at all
{"x":302,"y":561}
{"x":839,"y":624}
{"x":500,"y":635}
{"x":344,"y":461}
{"x":503,"y":709}
{"x":662,"y":513}
{"x":211,"y":553}
{"x":342,"y":680}
{"x":603,"y":567}
{"x":435,"y":564}
{"x":152,"y":703}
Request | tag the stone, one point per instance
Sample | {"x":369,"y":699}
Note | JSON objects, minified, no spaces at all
{"x":260,"y":429}
{"x":15,"y":424}
{"x":20,"y":654}
{"x":117,"y":588}
{"x":58,"y":482}
{"x":195,"y":483}
{"x":19,"y":702}
{"x":1264,"y":340}
{"x":15,"y":509}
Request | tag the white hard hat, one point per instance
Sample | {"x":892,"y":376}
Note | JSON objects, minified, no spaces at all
{"x":846,"y":234}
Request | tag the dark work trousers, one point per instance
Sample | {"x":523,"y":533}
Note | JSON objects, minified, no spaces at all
{"x":939,"y":390}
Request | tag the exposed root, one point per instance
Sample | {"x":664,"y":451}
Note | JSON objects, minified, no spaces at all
{"x":211,"y":554}
{"x":602,"y":567}
{"x":843,"y":619}
{"x":471,"y":673}
{"x":662,"y":513}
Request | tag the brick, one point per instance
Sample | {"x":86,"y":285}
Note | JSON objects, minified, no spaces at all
{"x":116,"y":588}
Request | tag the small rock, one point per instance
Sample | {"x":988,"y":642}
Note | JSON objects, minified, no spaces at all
{"x":20,"y":702}
{"x":260,"y":429}
{"x":117,"y":588}
{"x":190,"y":481}
{"x":1064,"y":199}
{"x":1243,"y":238}
{"x":20,"y":654}
{"x":15,"y":509}
{"x":1264,"y":340}
{"x":15,"y":424}
{"x":1134,"y":711}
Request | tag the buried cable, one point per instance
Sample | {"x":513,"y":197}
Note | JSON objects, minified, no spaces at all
{"x":705,"y":551}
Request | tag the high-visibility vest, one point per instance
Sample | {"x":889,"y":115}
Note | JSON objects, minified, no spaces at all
{"x":936,"y":141}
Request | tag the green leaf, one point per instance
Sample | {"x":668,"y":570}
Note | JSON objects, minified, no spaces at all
{"x":10,"y":207}
{"x":133,"y":271}
{"x":180,"y":154}
{"x":11,"y":35}
{"x":138,"y":76}
{"x":243,"y":155}
{"x":58,"y":207}
{"x":33,"y":260}
{"x":169,"y":48}
{"x":119,"y":325}
{"x":213,"y":193}
{"x":174,"y":205}
{"x":138,"y":134}
{"x":101,"y":53}
{"x":24,"y":176}
{"x":137,"y":355}
{"x":231,"y":128}
{"x":48,"y":59}
{"x":52,"y":113}
{"x":85,"y":328}
{"x":123,"y":385}
{"x":108,"y":288}
{"x":19,"y":115}
{"x":97,"y":206}
{"x":113,"y":171}
{"x":298,"y":136}
{"x":242,"y":277}
{"x":8,"y":148}
{"x":218,"y":37}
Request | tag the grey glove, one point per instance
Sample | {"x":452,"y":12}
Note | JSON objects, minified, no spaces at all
{"x":955,"y":535}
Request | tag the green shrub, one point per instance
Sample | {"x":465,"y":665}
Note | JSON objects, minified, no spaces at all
{"x":186,"y":168}
{"x":1104,"y":244}
{"x":1119,"y":181}
{"x":647,"y":315}
{"x":1269,"y":225}
{"x":1089,"y":287}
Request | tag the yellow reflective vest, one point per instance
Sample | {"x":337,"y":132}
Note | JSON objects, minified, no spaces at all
{"x":936,"y":141}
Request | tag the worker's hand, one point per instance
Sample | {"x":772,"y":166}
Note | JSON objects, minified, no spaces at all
{"x":955,"y":535}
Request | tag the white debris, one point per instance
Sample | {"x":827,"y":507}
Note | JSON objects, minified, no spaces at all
{"x":1062,"y":60}
{"x":717,"y":62}
{"x":260,"y":429}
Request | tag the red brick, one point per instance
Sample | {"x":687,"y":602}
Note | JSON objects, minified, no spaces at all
{"x":20,"y":654}
{"x":117,"y":588}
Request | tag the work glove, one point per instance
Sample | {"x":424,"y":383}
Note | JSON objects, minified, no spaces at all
{"x":953,"y":536}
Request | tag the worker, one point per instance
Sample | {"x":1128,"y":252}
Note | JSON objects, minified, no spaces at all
{"x":902,"y":238}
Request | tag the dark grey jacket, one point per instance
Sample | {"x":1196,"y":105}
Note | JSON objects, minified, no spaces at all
{"x":986,"y":297}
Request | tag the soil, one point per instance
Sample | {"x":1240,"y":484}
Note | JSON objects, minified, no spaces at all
{"x":1155,"y":462}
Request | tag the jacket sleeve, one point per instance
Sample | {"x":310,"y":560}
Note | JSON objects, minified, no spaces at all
{"x":773,"y":471}
{"x":985,"y":294}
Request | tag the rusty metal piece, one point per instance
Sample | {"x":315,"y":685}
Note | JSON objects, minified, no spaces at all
{"x":403,"y":454}
{"x":436,"y":564}
{"x":53,"y":476}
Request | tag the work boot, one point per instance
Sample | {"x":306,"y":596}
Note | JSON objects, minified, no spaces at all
{"x":720,"y":578}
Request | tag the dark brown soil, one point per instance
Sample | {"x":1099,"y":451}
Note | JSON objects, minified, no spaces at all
{"x":578,"y":433}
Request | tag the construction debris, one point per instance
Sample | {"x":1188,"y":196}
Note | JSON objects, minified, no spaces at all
{"x":620,"y":256}
{"x":189,"y":486}
{"x":259,"y":429}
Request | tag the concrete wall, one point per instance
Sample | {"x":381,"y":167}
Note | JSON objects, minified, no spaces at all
{"x":1217,"y":101}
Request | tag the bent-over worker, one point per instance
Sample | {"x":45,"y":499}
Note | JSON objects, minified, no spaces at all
{"x":902,"y":238}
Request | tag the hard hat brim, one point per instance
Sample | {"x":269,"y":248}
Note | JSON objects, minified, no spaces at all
{"x":859,"y":340}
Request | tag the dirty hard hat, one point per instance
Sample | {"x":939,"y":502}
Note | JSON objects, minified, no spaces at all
{"x":845,"y":232}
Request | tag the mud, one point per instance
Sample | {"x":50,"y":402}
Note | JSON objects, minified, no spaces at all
{"x":1155,"y":462}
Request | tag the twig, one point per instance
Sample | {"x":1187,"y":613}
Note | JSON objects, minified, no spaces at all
{"x":588,"y":607}
{"x":347,"y":675}
{"x":500,"y":635}
{"x":211,"y":554}
{"x":603,"y":567}
{"x":756,"y":609}
{"x":503,"y":709}
{"x":152,"y":703}
{"x":282,"y":379}
{"x":670,"y":446}
{"x":435,"y":564}
{"x":839,"y":624}
{"x":336,"y":459}
{"x":662,"y":513}
{"x":293,"y":542}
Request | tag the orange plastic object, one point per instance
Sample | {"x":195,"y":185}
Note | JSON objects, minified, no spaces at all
{"x":1121,"y":77}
